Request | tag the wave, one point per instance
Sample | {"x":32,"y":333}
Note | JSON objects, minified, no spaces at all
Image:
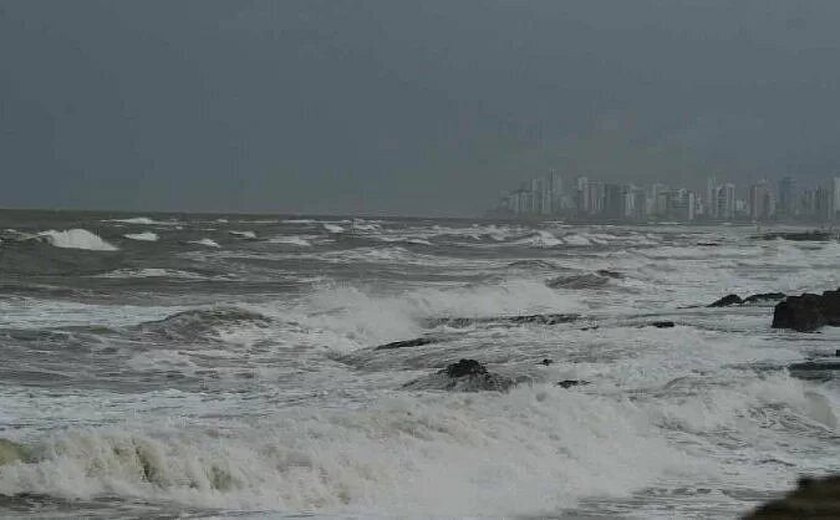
{"x":147,"y":236}
{"x":354,"y":318}
{"x":76,"y":239}
{"x":333,"y":228}
{"x":207,"y":242}
{"x":244,"y":234}
{"x":144,"y":221}
{"x":533,"y":450}
{"x":153,"y":272}
{"x":195,"y":323}
{"x":290,"y":240}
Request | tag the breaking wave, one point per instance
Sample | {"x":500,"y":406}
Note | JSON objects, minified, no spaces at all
{"x":76,"y":239}
{"x":143,"y":237}
{"x":532,"y":450}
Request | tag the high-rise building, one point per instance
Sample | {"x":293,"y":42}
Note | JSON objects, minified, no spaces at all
{"x":835,"y":199}
{"x":724,"y":207}
{"x":786,"y":205}
{"x":760,"y":202}
{"x":613,"y":201}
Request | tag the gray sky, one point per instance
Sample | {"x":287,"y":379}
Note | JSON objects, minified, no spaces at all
{"x":390,"y":106}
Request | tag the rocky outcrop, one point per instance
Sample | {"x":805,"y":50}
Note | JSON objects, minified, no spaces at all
{"x":813,"y":498}
{"x":808,"y":312}
{"x":663,"y":324}
{"x":417,"y":342}
{"x":734,"y":299}
{"x":726,"y":301}
{"x":569,"y":383}
{"x":467,"y":375}
{"x":538,"y":319}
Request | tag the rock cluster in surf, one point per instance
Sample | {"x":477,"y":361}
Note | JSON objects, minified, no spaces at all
{"x":808,"y":312}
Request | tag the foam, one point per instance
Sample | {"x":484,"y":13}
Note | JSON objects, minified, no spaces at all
{"x":207,"y":242}
{"x":533,"y":450}
{"x":333,"y":228}
{"x":290,"y":240}
{"x":153,"y":272}
{"x":76,"y":239}
{"x":244,"y":234}
{"x":144,"y":237}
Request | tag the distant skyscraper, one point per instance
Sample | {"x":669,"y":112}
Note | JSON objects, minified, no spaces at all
{"x":787,"y":197}
{"x":760,"y":202}
{"x":725,"y":201}
{"x":835,"y":199}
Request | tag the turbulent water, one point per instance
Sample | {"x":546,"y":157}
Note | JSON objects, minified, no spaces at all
{"x":160,"y":366}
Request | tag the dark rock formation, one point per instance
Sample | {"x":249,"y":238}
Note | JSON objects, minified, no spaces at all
{"x":417,"y":342}
{"x":726,"y":301}
{"x":568,"y":383}
{"x":539,"y":319}
{"x":808,"y":312}
{"x":546,"y":361}
{"x":813,"y":498}
{"x":584,"y":281}
{"x":467,"y":375}
{"x":663,"y":324}
{"x":816,"y":365}
{"x":465,"y":367}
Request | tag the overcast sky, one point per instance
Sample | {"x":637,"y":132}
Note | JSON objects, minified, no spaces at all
{"x":412,"y":107}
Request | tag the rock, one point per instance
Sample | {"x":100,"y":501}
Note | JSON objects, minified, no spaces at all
{"x":546,"y":361}
{"x":663,"y":324}
{"x":808,"y":312}
{"x":465,"y":367}
{"x":539,"y":319}
{"x":816,"y":365}
{"x":813,"y":498}
{"x":726,"y":301}
{"x":765,"y":297}
{"x":467,"y":375}
{"x":568,"y":383}
{"x":418,"y":342}
{"x":837,"y":353}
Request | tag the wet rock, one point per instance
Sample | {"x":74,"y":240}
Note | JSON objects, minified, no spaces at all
{"x":815,"y":365}
{"x":569,"y":383}
{"x":546,"y":362}
{"x":813,"y":498}
{"x":609,"y":274}
{"x":726,"y":301}
{"x":579,"y":281}
{"x":417,"y":342}
{"x":465,"y":367}
{"x":663,"y":324}
{"x":808,"y":312}
{"x":467,"y":375}
{"x":539,"y":319}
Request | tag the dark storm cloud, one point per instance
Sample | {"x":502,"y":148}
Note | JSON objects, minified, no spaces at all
{"x":403,"y":107}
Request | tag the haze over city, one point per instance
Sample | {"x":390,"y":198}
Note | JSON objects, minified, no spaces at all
{"x":425,"y":108}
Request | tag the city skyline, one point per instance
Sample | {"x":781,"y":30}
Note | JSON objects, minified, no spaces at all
{"x":580,"y":197}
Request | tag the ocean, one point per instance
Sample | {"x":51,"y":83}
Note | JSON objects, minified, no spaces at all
{"x":226,"y":366}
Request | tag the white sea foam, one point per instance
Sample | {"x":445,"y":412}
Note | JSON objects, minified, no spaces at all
{"x":531,"y":451}
{"x":144,"y":221}
{"x":333,"y":228}
{"x":290,"y":240}
{"x":207,"y":242}
{"x":147,"y":236}
{"x":244,"y":234}
{"x":153,"y":272}
{"x":76,"y":239}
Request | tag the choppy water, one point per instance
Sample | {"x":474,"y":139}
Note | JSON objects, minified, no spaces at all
{"x":224,"y":366}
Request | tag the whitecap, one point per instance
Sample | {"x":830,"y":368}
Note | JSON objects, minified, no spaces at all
{"x":144,"y":237}
{"x":244,"y":234}
{"x":76,"y":239}
{"x":206,"y":242}
{"x":290,"y":240}
{"x":333,"y":228}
